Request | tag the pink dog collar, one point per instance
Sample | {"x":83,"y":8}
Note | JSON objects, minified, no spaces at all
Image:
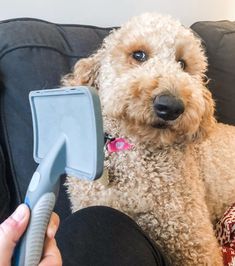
{"x":118,"y":144}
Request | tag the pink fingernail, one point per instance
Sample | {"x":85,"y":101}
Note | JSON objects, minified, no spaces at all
{"x":19,"y":213}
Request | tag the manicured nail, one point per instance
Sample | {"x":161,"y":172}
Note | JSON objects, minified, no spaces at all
{"x":20,"y":213}
{"x":52,"y":231}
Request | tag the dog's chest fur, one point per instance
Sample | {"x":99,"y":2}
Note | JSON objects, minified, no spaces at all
{"x":139,"y":180}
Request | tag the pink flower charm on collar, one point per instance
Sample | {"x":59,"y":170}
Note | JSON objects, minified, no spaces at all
{"x":119,"y":144}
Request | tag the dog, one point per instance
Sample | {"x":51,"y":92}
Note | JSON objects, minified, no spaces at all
{"x":176,"y":176}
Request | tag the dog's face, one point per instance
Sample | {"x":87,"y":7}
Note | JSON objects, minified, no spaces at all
{"x":150,"y":74}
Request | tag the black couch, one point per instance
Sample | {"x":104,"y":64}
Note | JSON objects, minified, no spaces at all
{"x":219,"y":40}
{"x":35,"y":54}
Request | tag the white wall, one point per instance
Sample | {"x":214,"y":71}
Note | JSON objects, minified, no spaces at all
{"x":115,"y":12}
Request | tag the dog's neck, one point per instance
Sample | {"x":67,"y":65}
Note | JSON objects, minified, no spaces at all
{"x":116,"y":129}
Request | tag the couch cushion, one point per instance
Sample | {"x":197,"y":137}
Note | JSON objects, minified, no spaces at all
{"x":34,"y":55}
{"x":219,"y":40}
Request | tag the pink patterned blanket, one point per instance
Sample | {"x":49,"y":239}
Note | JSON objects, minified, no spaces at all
{"x":225,"y":233}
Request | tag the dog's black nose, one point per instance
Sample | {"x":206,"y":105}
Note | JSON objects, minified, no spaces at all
{"x":168,"y":107}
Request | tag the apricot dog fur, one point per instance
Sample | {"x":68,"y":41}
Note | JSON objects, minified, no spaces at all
{"x":179,"y":177}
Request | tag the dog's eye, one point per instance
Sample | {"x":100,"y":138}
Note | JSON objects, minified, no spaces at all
{"x":140,"y":56}
{"x":182,"y":63}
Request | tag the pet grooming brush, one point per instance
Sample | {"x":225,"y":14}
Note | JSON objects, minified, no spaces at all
{"x":68,"y":139}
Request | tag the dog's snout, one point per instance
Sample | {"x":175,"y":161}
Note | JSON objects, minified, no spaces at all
{"x":168,"y":107}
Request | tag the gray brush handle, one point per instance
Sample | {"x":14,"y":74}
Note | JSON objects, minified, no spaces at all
{"x":41,"y":197}
{"x":33,"y":241}
{"x":35,"y":235}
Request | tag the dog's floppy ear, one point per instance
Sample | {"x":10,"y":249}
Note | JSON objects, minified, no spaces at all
{"x":85,"y":71}
{"x":208,"y":119}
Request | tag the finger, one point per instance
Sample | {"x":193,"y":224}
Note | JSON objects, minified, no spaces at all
{"x":51,"y":254}
{"x":53,"y":225}
{"x":10,"y":232}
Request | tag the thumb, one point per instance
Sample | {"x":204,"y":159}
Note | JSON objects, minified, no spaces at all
{"x":10,"y":232}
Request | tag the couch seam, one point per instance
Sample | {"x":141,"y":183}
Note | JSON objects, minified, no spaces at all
{"x":38,"y":46}
{"x":4,"y":183}
{"x":5,"y":136}
{"x":56,"y":24}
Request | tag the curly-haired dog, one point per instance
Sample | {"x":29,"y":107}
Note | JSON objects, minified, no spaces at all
{"x":179,"y":176}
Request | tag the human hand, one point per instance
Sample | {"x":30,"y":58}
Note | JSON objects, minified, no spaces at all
{"x":51,"y":254}
{"x":13,"y":228}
